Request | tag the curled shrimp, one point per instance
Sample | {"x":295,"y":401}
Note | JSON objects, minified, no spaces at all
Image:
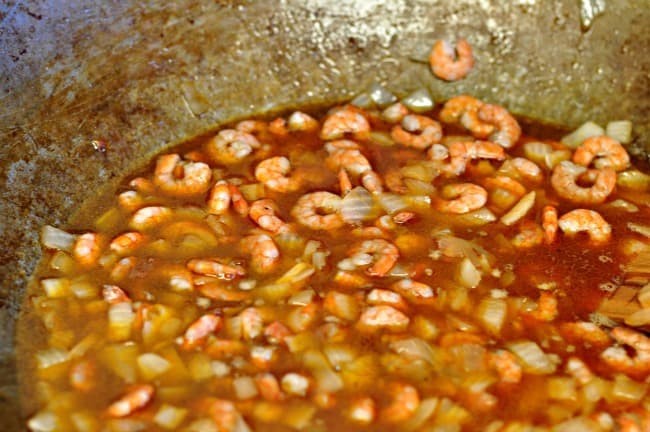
{"x":415,"y":291}
{"x":395,"y":113}
{"x":461,"y":152}
{"x":522,"y":168}
{"x":83,"y":375}
{"x":618,"y":358}
{"x":263,"y":212}
{"x":149,"y":217}
{"x":506,"y":365}
{"x":87,"y":248}
{"x":603,"y":152}
{"x":549,"y":223}
{"x":223,"y":195}
{"x":299,"y":121}
{"x":212,"y":267}
{"x":231,"y":146}
{"x":351,"y":160}
{"x":345,"y":120}
{"x":264,"y":252}
{"x":274,"y":173}
{"x":339,"y":145}
{"x":318,"y":211}
{"x":529,"y":235}
{"x":417,"y":131}
{"x":135,"y":398}
{"x":465,"y":197}
{"x":463,"y":109}
{"x":507,"y":131}
{"x":127,"y":242}
{"x":405,"y":401}
{"x":384,"y":253}
{"x":198,"y":332}
{"x":584,"y":220}
{"x":565,"y":182}
{"x":395,"y":181}
{"x":181,"y":178}
{"x":383,"y":317}
{"x":546,"y":307}
{"x":449,"y":63}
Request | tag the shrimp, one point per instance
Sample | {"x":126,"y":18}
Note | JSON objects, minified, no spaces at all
{"x":417,"y":131}
{"x":362,"y":410}
{"x":345,"y":184}
{"x":83,"y":375}
{"x":522,"y":168}
{"x":269,"y":387}
{"x":372,"y":181}
{"x":506,"y":365}
{"x":123,"y":268}
{"x":507,"y":131}
{"x":579,"y":370}
{"x":273,"y":172}
{"x":339,"y":145}
{"x":415,"y":291}
{"x":181,"y":178}
{"x":405,"y":401}
{"x":506,"y":183}
{"x":135,"y":398}
{"x":299,"y":122}
{"x":565,"y":182}
{"x":211,"y":267}
{"x":252,"y":324}
{"x":395,"y":113}
{"x":263,"y":212}
{"x":345,"y":120}
{"x":264,"y":252}
{"x":197,"y":333}
{"x":438,"y":152}
{"x":463,"y":109}
{"x":546,"y":307}
{"x":379,"y":296}
{"x":585,"y":332}
{"x":403,"y":217}
{"x":87,"y":248}
{"x":603,"y":152}
{"x":618,"y":358}
{"x":231,"y":146}
{"x":384,"y":253}
{"x":466,"y":197}
{"x":222,"y":195}
{"x":318,"y":211}
{"x":113,"y":294}
{"x":449,"y":63}
{"x":589,"y":221}
{"x":529,"y":235}
{"x":252,"y":126}
{"x":383,"y":317}
{"x":126,"y":243}
{"x":276,"y":332}
{"x":351,"y":160}
{"x":149,"y":217}
{"x":395,"y":181}
{"x":461,"y":152}
{"x":549,"y":223}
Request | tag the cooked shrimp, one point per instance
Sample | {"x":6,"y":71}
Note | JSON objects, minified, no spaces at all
{"x":211,"y":267}
{"x":252,"y":323}
{"x":529,"y":235}
{"x":123,"y":268}
{"x":449,"y":63}
{"x":383,"y":317}
{"x":83,"y":375}
{"x":231,"y":146}
{"x":522,"y":168}
{"x":579,"y":370}
{"x":438,"y":152}
{"x":345,"y":184}
{"x":618,"y":358}
{"x":362,"y":410}
{"x":353,"y":161}
{"x":394,"y":181}
{"x":603,"y":152}
{"x":566,"y":175}
{"x":113,"y":294}
{"x":274,"y":173}
{"x":276,"y":332}
{"x":405,"y":401}
{"x":263,"y":212}
{"x":506,"y":183}
{"x":197,"y":333}
{"x":461,"y":152}
{"x":465,"y":197}
{"x":87,"y":248}
{"x":372,"y":181}
{"x":403,"y":217}
{"x":318,"y":211}
{"x":264,"y":252}
{"x":463,"y":109}
{"x":269,"y":387}
{"x":417,"y":131}
{"x":589,"y":221}
{"x":345,"y":120}
{"x":507,"y":366}
{"x":222,"y":195}
{"x":135,"y":398}
{"x":417,"y":292}
{"x":549,"y":223}
{"x":127,"y":242}
{"x":149,"y":217}
{"x":395,"y":113}
{"x":181,"y":178}
{"x":585,"y":332}
{"x":299,"y":122}
{"x":384,"y":254}
{"x":252,"y":126}
{"x":546,"y":307}
{"x":380,"y":296}
{"x":339,"y":145}
{"x":507,"y":131}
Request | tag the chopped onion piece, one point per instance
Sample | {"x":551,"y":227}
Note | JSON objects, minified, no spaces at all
{"x":638,"y":318}
{"x":44,"y":421}
{"x":414,"y":347}
{"x":644,"y":230}
{"x":424,"y":171}
{"x":244,"y":387}
{"x":363,"y":100}
{"x":554,"y":158}
{"x":468,"y":275}
{"x":537,"y":151}
{"x":169,"y":417}
{"x":492,"y":313}
{"x":357,"y":206}
{"x":84,"y":289}
{"x":319,"y":259}
{"x":152,"y":365}
{"x":519,"y":210}
{"x":533,"y":359}
{"x":562,"y":388}
{"x":120,"y":321}
{"x":380,"y":96}
{"x":326,"y":379}
{"x":419,"y":187}
{"x":624,"y":205}
{"x":391,"y":203}
{"x":56,"y":287}
{"x":575,"y":138}
{"x":302,"y":298}
{"x":620,"y":130}
{"x":295,"y":384}
{"x":50,"y":357}
{"x":644,"y":296}
{"x":297,"y":274}
{"x":424,"y":411}
{"x":298,"y":416}
{"x":419,"y":101}
{"x":253,"y":192}
{"x":633,"y":179}
{"x":54,"y":238}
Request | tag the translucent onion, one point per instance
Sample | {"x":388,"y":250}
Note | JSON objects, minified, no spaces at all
{"x":121,"y":360}
{"x":85,"y":421}
{"x":253,"y":192}
{"x":628,"y":390}
{"x":519,"y":210}
{"x":537,"y":151}
{"x":533,"y":359}
{"x":423,"y":171}
{"x":418,"y":187}
{"x":301,"y":298}
{"x":298,"y":415}
{"x":555,"y":157}
{"x":575,"y":138}
{"x":638,"y":318}
{"x":381,"y":96}
{"x":643,"y":296}
{"x":326,"y":379}
{"x":152,"y":365}
{"x":455,"y":247}
{"x":169,"y":417}
{"x":644,"y":230}
{"x":391,"y":203}
{"x":424,"y":411}
{"x":358,"y":206}
{"x":624,"y":205}
{"x":633,"y":179}
{"x":244,"y":387}
{"x":120,"y":320}
{"x":478,"y":217}
{"x":56,"y":287}
{"x":82,"y":288}
{"x":414,"y":347}
{"x":44,"y":421}
{"x":319,"y":259}
{"x":382,"y":138}
{"x":419,"y":101}
{"x":492,"y":313}
{"x":561,"y":388}
{"x":338,"y":354}
{"x":62,"y":262}
{"x":620,"y":130}
{"x":54,"y":238}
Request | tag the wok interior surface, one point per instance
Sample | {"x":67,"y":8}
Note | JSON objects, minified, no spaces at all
{"x":141,"y":76}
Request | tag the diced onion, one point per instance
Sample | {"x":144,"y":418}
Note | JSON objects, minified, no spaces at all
{"x":555,"y":157}
{"x":620,"y":130}
{"x":624,"y":205}
{"x":478,"y":217}
{"x":561,"y":388}
{"x":121,"y":360}
{"x":84,"y":289}
{"x":54,"y":238}
{"x":297,"y":274}
{"x":638,"y":318}
{"x":391,"y":203}
{"x":633,"y":179}
{"x":644,"y":230}
{"x":414,"y":347}
{"x":301,"y":298}
{"x":455,"y":247}
{"x":533,"y":359}
{"x":468,"y":275}
{"x":298,"y":415}
{"x":381,"y":96}
{"x":492,"y":313}
{"x":382,"y":138}
{"x":120,"y":321}
{"x":50,"y":357}
{"x":588,"y":129}
{"x":252,"y":192}
{"x":244,"y":387}
{"x":628,"y":390}
{"x":84,"y":421}
{"x":425,"y":410}
{"x":62,"y":262}
{"x":152,"y":365}
{"x":169,"y":417}
{"x":44,"y":421}
{"x":338,"y":354}
{"x":419,"y":101}
{"x":519,"y":210}
{"x":295,"y":384}
{"x":418,"y":187}
{"x":357,"y":206}
{"x":56,"y":287}
{"x":326,"y":379}
{"x":423,"y":171}
{"x":537,"y":151}
{"x":319,"y":259}
{"x":220,"y":369}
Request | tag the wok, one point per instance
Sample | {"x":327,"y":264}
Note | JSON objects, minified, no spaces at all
{"x":141,"y":75}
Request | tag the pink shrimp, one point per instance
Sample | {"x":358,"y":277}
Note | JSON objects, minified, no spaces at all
{"x":223,"y":195}
{"x":318,"y":211}
{"x":506,"y":365}
{"x":135,"y":398}
{"x":395,"y":113}
{"x":565,"y":182}
{"x":383,"y":316}
{"x":618,"y":358}
{"x":362,"y":410}
{"x":417,"y":131}
{"x":507,"y":131}
{"x":546,"y":307}
{"x":394,"y":181}
{"x":345,"y":184}
{"x":384,"y":253}
{"x":123,"y":268}
{"x":197,"y":333}
{"x":274,"y":173}
{"x":549,"y":223}
{"x":584,"y":220}
{"x":352,"y":161}
{"x":603,"y":152}
{"x":405,"y":401}
{"x":252,"y":323}
{"x":345,"y":120}
{"x":586,"y":333}
{"x":379,"y":296}
{"x":579,"y":370}
{"x":126,"y":243}
{"x":530,"y":235}
{"x":231,"y":146}
{"x":465,"y":197}
{"x":522,"y":168}
{"x":449,"y":63}
{"x":214,"y":268}
{"x":264,"y":252}
{"x":417,"y":292}
{"x":299,"y":122}
{"x":372,"y":181}
{"x":269,"y":387}
{"x":83,"y":375}
{"x":113,"y":294}
{"x":264,"y":213}
{"x":181,"y":178}
{"x":87,"y":248}
{"x":276,"y":332}
{"x":461,"y":152}
{"x":149,"y":217}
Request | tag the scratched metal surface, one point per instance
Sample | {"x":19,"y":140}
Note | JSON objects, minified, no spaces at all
{"x":144,"y":74}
